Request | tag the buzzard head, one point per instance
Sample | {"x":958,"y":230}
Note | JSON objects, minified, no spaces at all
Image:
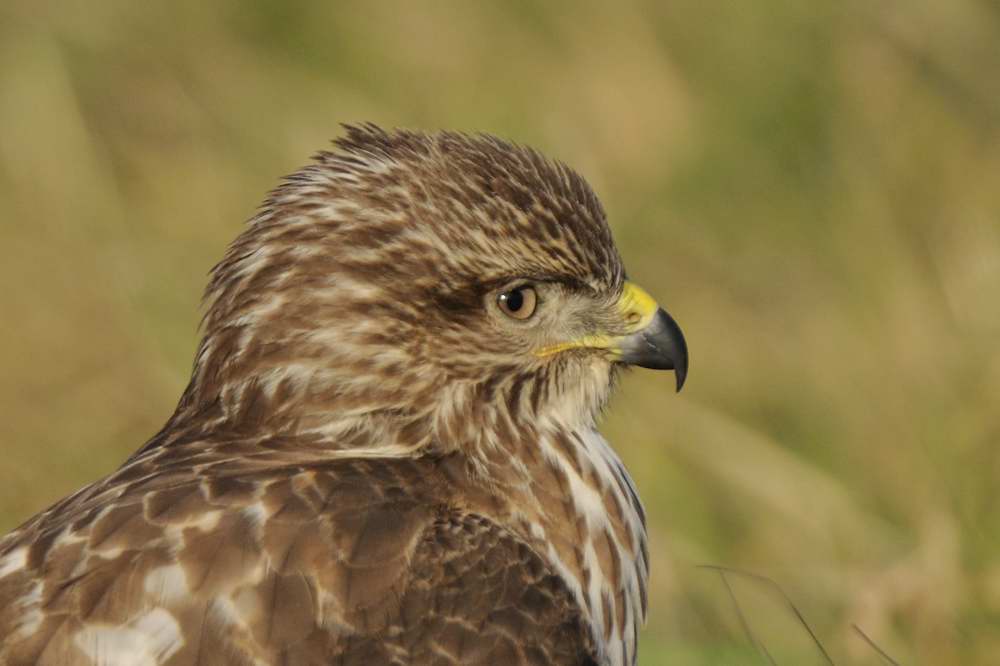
{"x":439,"y":290}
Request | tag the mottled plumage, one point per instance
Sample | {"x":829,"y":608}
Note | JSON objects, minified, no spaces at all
{"x":379,"y":457}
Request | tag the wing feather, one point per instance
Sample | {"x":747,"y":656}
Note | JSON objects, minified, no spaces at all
{"x":336,"y":562}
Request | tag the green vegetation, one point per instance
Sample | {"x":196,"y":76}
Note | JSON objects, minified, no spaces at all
{"x":812,"y":189}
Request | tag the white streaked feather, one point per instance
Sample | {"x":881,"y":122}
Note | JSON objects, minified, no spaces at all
{"x":148,"y":640}
{"x":167,"y":583}
{"x":30,"y":616}
{"x":13,"y":561}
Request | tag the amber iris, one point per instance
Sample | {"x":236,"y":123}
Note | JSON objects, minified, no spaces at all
{"x":519,"y":302}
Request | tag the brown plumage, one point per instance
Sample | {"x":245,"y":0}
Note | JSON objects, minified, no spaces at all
{"x":387,"y":452}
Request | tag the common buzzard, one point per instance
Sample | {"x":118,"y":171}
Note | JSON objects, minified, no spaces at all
{"x":387,"y":452}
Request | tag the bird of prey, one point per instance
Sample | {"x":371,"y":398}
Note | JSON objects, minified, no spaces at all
{"x":387,"y":451}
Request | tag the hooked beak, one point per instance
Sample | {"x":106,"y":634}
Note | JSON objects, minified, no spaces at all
{"x":652,"y":339}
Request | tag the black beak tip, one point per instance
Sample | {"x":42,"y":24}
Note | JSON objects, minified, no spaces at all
{"x":680,"y":372}
{"x":661,"y":346}
{"x":679,"y":355}
{"x":668,"y":339}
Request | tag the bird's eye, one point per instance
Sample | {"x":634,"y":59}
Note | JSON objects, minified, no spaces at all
{"x":519,"y":302}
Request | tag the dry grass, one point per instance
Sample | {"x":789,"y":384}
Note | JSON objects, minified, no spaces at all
{"x":811,"y":189}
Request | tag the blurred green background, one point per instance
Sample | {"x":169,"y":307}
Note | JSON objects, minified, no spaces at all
{"x":812,"y":189}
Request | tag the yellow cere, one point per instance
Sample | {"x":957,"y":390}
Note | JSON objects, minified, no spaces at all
{"x":637,"y":308}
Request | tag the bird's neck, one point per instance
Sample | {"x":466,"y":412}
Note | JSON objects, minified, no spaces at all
{"x":570,"y":495}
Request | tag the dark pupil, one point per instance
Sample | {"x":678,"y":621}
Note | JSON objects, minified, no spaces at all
{"x":514,"y":300}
